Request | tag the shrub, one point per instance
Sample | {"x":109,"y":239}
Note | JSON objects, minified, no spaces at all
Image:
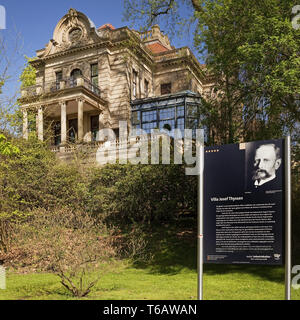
{"x":142,"y":193}
{"x":67,"y":243}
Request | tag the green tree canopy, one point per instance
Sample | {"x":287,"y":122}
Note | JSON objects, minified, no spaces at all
{"x":252,"y":50}
{"x":6,"y":147}
{"x":28,"y":76}
{"x":1,"y":85}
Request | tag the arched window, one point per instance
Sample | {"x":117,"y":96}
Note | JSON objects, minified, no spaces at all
{"x":75,"y":74}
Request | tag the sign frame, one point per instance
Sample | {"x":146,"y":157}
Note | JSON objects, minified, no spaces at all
{"x":288,"y":219}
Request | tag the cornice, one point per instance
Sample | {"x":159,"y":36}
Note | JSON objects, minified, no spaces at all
{"x":180,"y":61}
{"x":60,"y":95}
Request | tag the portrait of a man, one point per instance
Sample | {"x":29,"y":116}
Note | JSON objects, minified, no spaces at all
{"x":267,"y":161}
{"x":264,"y":167}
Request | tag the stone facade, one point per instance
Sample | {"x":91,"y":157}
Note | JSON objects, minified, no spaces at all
{"x":88,"y":77}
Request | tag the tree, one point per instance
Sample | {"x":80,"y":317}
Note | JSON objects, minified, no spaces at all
{"x":69,"y":244}
{"x":28,"y":76}
{"x":1,"y":85}
{"x":10,"y":45}
{"x":6,"y":147}
{"x":4,"y":64}
{"x":252,"y":51}
{"x":142,"y":194}
{"x":27,"y":79}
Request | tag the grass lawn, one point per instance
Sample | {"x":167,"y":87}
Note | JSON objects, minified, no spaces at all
{"x":171,"y":275}
{"x":131,"y":283}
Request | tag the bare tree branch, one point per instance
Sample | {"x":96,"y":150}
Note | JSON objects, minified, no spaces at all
{"x":157,"y":13}
{"x":166,"y":11}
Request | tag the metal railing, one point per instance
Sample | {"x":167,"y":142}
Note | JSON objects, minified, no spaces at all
{"x":56,"y":86}
{"x":32,"y":90}
{"x":117,"y":143}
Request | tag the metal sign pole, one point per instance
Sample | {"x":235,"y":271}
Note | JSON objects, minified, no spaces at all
{"x":200,"y":224}
{"x":288,"y":219}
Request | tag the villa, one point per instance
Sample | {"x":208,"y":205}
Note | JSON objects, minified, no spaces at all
{"x":89,"y":78}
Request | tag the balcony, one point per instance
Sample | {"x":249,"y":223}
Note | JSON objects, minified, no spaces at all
{"x":55,"y":87}
{"x":109,"y":151}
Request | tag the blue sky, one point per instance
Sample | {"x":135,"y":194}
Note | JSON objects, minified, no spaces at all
{"x":34,"y":22}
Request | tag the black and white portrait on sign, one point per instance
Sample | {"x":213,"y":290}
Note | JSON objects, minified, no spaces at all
{"x":244,"y":203}
{"x":264,"y":166}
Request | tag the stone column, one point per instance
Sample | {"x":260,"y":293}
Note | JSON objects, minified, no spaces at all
{"x":63,"y":122}
{"x":101,"y":120}
{"x":80,"y":119}
{"x":40,"y":124}
{"x":25,"y":124}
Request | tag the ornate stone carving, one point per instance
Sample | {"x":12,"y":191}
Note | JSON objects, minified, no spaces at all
{"x":72,"y":31}
{"x":75,"y":35}
{"x":72,"y":18}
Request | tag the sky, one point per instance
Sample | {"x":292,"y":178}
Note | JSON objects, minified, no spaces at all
{"x":30,"y":25}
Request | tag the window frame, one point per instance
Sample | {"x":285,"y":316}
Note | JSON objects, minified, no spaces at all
{"x":146,"y":88}
{"x":94,"y":138}
{"x":178,"y":118}
{"x":58,"y":79}
{"x":134,"y":84}
{"x":166,"y":88}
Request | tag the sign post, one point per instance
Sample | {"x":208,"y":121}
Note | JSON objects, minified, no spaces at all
{"x":247,"y":204}
{"x":200,"y":223}
{"x":288,"y":219}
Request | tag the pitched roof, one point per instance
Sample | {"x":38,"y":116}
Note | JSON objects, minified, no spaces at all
{"x":107,"y":25}
{"x":157,"y":47}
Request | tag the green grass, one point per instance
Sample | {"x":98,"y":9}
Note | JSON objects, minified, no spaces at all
{"x":130,"y":283}
{"x":171,"y":275}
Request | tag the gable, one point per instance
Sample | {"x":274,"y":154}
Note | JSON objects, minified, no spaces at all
{"x":75,"y":29}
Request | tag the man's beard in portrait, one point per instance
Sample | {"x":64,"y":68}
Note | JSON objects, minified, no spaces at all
{"x":260,"y":174}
